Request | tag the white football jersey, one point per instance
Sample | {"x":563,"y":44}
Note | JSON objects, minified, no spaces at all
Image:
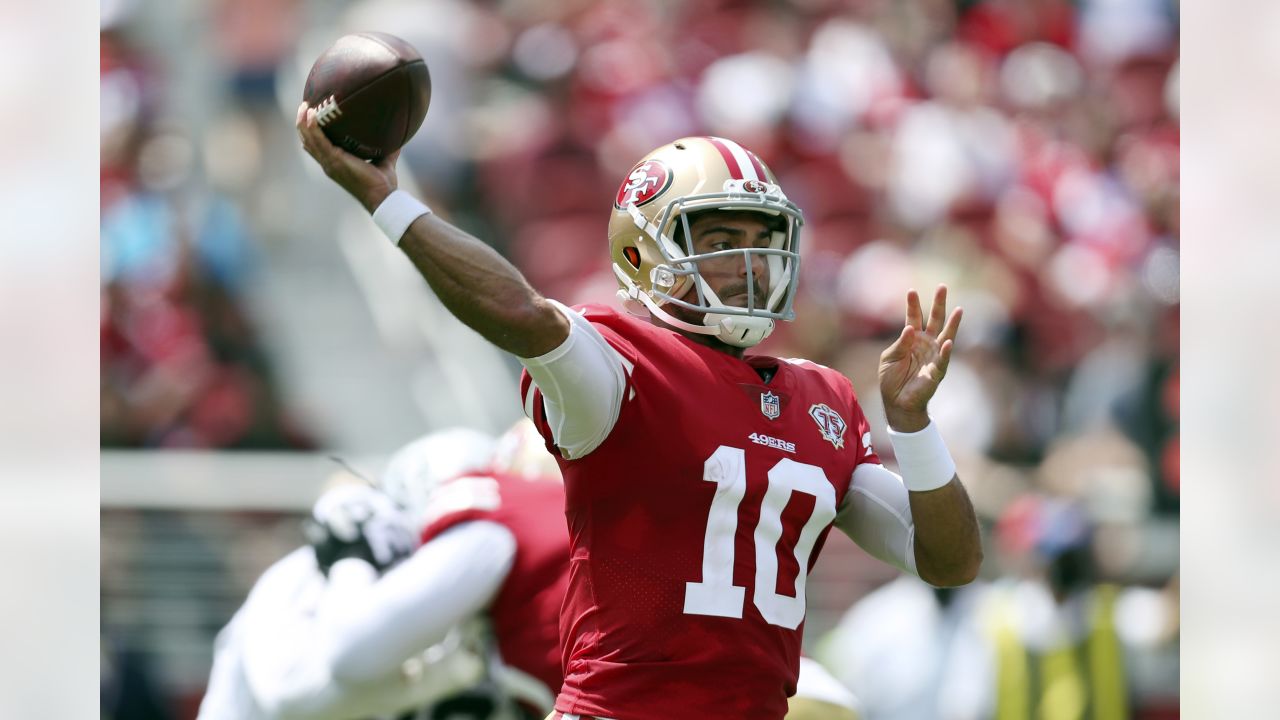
{"x":288,"y":590}
{"x":268,"y":664}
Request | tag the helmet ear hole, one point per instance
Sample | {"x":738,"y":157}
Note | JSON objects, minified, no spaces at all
{"x":632,"y":255}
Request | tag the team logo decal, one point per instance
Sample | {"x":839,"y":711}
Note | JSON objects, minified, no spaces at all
{"x":645,"y":182}
{"x":754,"y":186}
{"x":770,"y":405}
{"x":830,"y":424}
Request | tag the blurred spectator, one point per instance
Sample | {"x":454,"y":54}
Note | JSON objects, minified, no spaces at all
{"x":181,"y":365}
{"x":1066,"y":638}
{"x":1026,"y":151}
{"x":252,"y":38}
{"x":1053,"y":638}
{"x":127,"y":98}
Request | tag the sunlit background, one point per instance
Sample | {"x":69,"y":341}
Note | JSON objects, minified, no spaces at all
{"x":254,"y":321}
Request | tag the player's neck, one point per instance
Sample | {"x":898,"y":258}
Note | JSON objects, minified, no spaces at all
{"x":710,"y":341}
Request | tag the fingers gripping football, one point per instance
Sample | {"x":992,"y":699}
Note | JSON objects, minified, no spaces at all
{"x":324,"y":152}
{"x":368,"y":182}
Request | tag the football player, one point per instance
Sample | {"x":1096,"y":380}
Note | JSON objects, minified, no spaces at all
{"x":271,"y":660}
{"x":488,"y":551}
{"x":352,"y":643}
{"x":700,"y":482}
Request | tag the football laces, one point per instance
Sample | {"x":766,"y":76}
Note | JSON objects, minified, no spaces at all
{"x":327,"y":111}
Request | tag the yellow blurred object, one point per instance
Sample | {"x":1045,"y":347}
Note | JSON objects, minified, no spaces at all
{"x":341,"y":477}
{"x":1106,"y":659}
{"x":522,"y":451}
{"x":810,"y":709}
{"x":1072,"y":678}
{"x":1011,"y":678}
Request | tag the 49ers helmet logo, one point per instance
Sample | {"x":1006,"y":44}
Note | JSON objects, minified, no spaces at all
{"x":645,"y":182}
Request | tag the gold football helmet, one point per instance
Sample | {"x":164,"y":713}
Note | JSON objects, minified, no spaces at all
{"x":415,"y":471}
{"x":522,"y":451}
{"x":655,"y":269}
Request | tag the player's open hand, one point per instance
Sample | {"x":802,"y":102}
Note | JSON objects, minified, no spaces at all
{"x":368,"y":182}
{"x":913,"y":366}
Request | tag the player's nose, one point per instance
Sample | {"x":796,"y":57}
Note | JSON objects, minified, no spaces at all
{"x":757,"y":263}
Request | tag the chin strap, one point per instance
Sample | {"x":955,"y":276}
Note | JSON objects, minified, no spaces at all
{"x":735,"y":330}
{"x":739,"y":331}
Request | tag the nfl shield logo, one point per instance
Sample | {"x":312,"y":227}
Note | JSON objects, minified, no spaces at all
{"x":770,"y":405}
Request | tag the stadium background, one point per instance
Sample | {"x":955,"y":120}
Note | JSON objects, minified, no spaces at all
{"x":254,"y":322}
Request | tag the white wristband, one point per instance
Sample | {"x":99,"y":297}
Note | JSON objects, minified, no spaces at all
{"x":397,"y":213}
{"x":923,"y":458}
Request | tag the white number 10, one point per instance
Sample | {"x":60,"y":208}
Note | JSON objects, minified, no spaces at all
{"x":716,"y":594}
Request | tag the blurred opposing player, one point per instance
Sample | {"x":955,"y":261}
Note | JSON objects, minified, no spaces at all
{"x":700,"y":483}
{"x":271,"y":662}
{"x":493,"y":547}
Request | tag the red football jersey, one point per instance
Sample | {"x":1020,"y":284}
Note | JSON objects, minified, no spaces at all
{"x":526,"y":610}
{"x":694,"y":525}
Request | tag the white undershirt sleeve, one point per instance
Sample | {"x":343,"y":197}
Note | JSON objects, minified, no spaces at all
{"x":369,"y":625}
{"x":582,"y":383}
{"x":876,"y":514}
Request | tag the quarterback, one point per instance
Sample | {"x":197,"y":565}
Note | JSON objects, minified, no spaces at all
{"x":700,"y":482}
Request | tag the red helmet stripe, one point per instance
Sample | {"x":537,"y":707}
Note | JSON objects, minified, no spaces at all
{"x":729,"y":161}
{"x":759,"y":166}
{"x":735,"y":158}
{"x":741,"y":155}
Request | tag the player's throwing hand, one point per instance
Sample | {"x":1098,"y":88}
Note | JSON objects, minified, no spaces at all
{"x":913,"y":366}
{"x":368,"y":182}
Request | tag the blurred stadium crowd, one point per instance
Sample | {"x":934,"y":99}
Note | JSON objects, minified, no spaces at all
{"x":1024,"y":152}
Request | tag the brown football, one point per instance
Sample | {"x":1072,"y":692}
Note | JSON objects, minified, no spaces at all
{"x":371,"y":91}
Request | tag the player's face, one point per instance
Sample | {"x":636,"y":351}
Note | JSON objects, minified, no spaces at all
{"x":727,"y":275}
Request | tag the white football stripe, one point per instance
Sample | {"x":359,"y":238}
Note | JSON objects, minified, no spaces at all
{"x":745,"y":168}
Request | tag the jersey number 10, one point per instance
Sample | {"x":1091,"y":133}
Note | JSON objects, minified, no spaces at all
{"x":716,"y":594}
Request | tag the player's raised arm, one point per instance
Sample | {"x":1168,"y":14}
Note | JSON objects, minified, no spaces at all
{"x":948,"y":547}
{"x":476,"y":284}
